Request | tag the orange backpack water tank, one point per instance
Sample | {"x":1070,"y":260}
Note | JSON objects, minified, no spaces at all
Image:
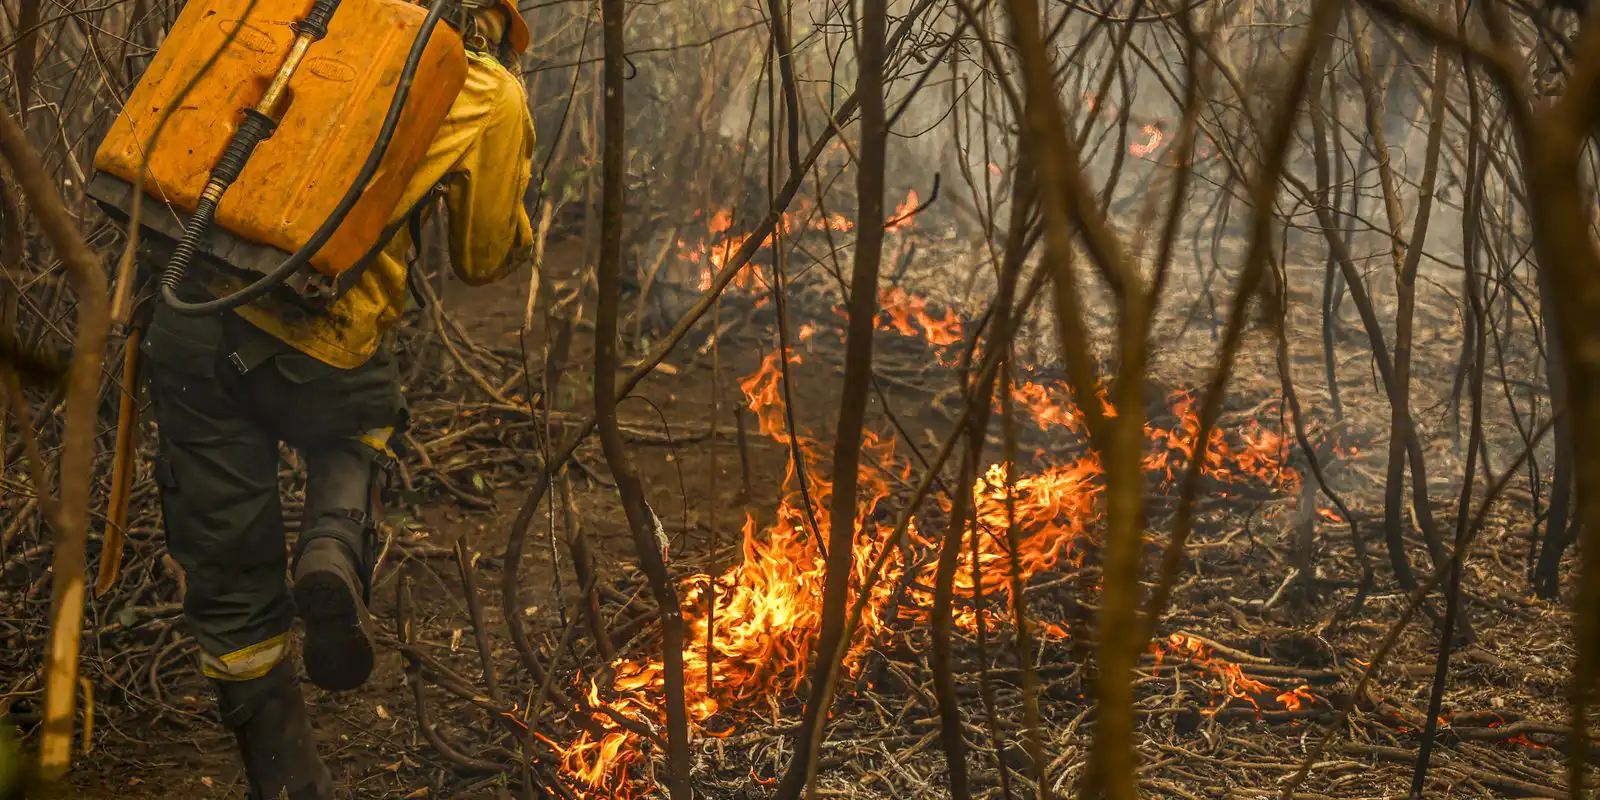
{"x":335,"y":103}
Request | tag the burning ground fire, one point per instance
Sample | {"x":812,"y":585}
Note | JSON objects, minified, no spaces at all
{"x":1235,"y":685}
{"x":1152,"y":133}
{"x":711,"y":252}
{"x":768,"y":606}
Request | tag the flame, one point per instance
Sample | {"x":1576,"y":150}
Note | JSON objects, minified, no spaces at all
{"x":1296,"y":698}
{"x":904,"y":216}
{"x":1053,"y":510}
{"x":1045,"y":404}
{"x":837,"y":222}
{"x":708,"y":254}
{"x":1256,"y":455}
{"x":1152,"y":141}
{"x":903,"y":309}
{"x":768,"y":609}
{"x":1236,"y":685}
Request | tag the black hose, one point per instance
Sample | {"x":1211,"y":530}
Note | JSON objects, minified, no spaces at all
{"x":205,"y":210}
{"x":256,"y":128}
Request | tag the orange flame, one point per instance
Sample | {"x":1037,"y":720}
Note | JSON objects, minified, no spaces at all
{"x":1236,"y":685}
{"x":904,"y":216}
{"x":1047,"y":406}
{"x":904,"y":309}
{"x":768,"y":606}
{"x":1296,"y":698}
{"x":710,"y":253}
{"x":1152,"y":141}
{"x":768,"y":609}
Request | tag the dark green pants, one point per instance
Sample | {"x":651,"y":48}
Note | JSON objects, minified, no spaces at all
{"x":225,"y":396}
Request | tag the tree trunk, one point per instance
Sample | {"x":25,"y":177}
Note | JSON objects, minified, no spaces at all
{"x":863,"y":308}
{"x":642,"y":522}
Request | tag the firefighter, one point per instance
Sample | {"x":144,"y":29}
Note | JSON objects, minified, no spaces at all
{"x":228,"y":389}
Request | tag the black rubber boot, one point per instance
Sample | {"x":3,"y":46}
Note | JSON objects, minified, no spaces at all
{"x":328,"y":592}
{"x":268,"y":719}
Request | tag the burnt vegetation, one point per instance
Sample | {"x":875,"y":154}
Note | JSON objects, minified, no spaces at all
{"x":908,"y":399}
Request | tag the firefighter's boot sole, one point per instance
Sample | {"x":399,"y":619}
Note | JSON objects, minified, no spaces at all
{"x":327,"y":594}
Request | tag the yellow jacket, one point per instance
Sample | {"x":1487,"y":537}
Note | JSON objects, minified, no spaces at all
{"x":484,"y":156}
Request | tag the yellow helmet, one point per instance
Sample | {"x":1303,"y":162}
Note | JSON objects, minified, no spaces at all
{"x":508,"y":27}
{"x":517,"y":36}
{"x":477,"y":24}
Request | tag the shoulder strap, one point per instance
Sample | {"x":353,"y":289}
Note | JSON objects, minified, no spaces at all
{"x":413,"y":222}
